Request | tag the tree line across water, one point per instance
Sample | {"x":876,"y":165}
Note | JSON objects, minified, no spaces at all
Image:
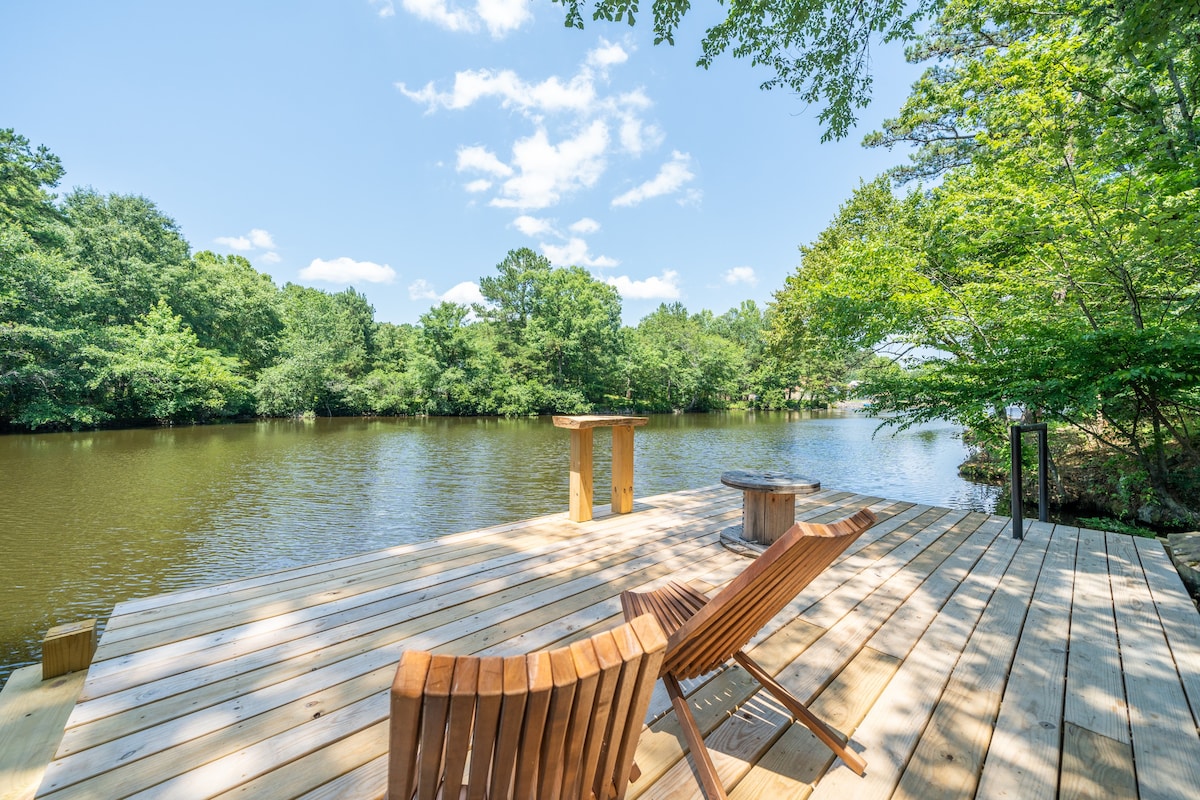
{"x":107,"y":317}
{"x":1039,"y":251}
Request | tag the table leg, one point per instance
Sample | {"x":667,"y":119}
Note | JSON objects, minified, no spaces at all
{"x":622,"y":469}
{"x":580,"y":506}
{"x":767,"y":516}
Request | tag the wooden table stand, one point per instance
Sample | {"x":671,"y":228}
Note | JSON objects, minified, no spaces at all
{"x":581,"y":427}
{"x":769,"y":501}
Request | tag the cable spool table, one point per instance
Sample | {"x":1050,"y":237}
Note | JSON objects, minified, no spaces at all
{"x":769,"y":501}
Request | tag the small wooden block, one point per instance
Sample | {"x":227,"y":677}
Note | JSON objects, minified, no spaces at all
{"x":68,"y":648}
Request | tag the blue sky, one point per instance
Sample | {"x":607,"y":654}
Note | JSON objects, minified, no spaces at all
{"x":405,"y":146}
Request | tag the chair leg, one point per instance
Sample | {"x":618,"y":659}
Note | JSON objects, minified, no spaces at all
{"x":691,"y":732}
{"x":814,"y":723}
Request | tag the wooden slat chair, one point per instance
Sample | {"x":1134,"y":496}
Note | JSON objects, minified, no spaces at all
{"x":703,"y":634}
{"x":549,"y":725}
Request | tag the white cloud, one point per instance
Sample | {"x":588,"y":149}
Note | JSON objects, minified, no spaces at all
{"x":533,"y":226}
{"x":270,"y":258}
{"x":475,"y":187}
{"x":585,"y":225}
{"x":420,"y":289}
{"x":607,"y":54}
{"x":741,"y":275}
{"x":575,"y":253}
{"x":439,"y":13}
{"x":670,"y":179}
{"x":470,"y":86}
{"x":464,"y":293}
{"x":386,"y":7}
{"x":481,"y":159}
{"x":347,"y":270}
{"x":256,"y":239}
{"x":665,"y":287}
{"x":503,"y":16}
{"x":637,"y":137}
{"x":239,"y":243}
{"x":261,"y":239}
{"x":545,"y":171}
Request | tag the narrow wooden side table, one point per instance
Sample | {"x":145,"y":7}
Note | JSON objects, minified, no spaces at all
{"x":581,"y":428}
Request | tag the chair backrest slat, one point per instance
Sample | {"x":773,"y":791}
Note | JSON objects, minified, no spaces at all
{"x":731,"y":618}
{"x":558,"y":725}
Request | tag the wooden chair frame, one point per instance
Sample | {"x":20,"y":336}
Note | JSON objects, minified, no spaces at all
{"x":549,"y":725}
{"x":704,"y":633}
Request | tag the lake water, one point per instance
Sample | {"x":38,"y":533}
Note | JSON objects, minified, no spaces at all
{"x":92,"y":519}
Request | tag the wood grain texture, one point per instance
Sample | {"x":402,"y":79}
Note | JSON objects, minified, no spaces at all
{"x":276,"y":685}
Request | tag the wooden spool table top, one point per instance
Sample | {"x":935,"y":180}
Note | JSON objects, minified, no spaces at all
{"x":751,"y":480}
{"x":768,"y":501}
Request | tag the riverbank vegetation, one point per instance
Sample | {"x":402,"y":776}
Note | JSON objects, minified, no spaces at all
{"x":1039,"y":251}
{"x":108,"y":318}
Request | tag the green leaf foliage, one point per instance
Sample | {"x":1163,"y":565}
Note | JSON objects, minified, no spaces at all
{"x":1053,"y":265}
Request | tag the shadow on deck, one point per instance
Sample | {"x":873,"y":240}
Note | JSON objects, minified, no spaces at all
{"x":960,"y":662}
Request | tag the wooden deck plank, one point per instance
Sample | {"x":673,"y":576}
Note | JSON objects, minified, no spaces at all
{"x":1023,"y":758}
{"x":32,"y":715}
{"x":891,"y":730}
{"x":798,"y":758}
{"x":821,"y":661}
{"x":904,"y":643}
{"x":109,"y":742}
{"x":1166,"y":747}
{"x":949,"y":756}
{"x":258,"y":603}
{"x":246,"y":634}
{"x":1095,"y":691}
{"x":1180,"y":620}
{"x":1095,"y":766}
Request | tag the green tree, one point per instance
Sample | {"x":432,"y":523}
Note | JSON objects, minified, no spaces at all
{"x":557,"y":329}
{"x":158,"y":371}
{"x":819,"y":49}
{"x":324,"y":351}
{"x":130,"y":248}
{"x":231,"y":307}
{"x":679,"y":363}
{"x":47,"y":356}
{"x":1054,"y":266}
{"x":457,"y":365}
{"x":26,"y":176}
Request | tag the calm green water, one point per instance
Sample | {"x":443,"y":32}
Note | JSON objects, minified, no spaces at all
{"x":91,"y":519}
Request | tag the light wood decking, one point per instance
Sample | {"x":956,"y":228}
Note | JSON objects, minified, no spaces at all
{"x":961,"y":663}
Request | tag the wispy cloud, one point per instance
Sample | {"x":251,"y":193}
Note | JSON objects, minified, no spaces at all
{"x":347,"y":270}
{"x":575,"y":253}
{"x":545,"y":172}
{"x":480,"y":159}
{"x":439,"y":13}
{"x":664,"y":287}
{"x":533,"y":226}
{"x":585,"y":226}
{"x":256,"y":239}
{"x":470,"y":86}
{"x":577,"y":127}
{"x":464,"y":293}
{"x":741,"y":275}
{"x":502,"y":17}
{"x":671,"y":177}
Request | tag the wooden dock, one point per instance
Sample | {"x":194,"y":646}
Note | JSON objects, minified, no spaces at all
{"x":960,"y":662}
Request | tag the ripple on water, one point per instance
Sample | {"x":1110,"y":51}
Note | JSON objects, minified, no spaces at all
{"x":92,"y":519}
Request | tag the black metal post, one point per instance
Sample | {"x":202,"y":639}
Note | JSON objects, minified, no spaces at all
{"x":1043,"y":475}
{"x":1014,"y":444}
